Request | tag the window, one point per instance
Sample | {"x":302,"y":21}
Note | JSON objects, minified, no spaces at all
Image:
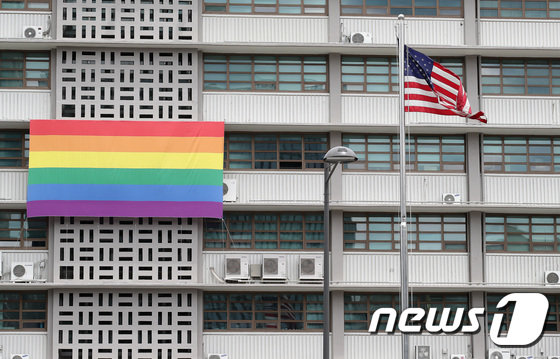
{"x":23,"y":310}
{"x":265,"y":73}
{"x":381,"y":232}
{"x":24,"y":69}
{"x":520,"y":77}
{"x":18,"y":231}
{"x":359,"y":308}
{"x":551,"y":325}
{"x":517,"y":154}
{"x":263,"y":312}
{"x":25,"y":4}
{"x":14,"y":149}
{"x":443,"y":8}
{"x":381,"y":74}
{"x":424,"y":153}
{"x":539,"y":9}
{"x":522,"y":233}
{"x":274,"y":152}
{"x":266,"y":7}
{"x":284,"y":231}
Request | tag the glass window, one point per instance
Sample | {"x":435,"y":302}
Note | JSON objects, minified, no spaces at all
{"x":441,"y":8}
{"x":23,"y":310}
{"x":520,"y":76}
{"x":18,"y":231}
{"x":528,"y":9}
{"x":263,"y":312}
{"x":266,"y":7}
{"x":24,"y":69}
{"x":551,"y":325}
{"x":266,"y":231}
{"x":359,"y":307}
{"x":25,"y":5}
{"x":426,"y":232}
{"x":521,"y":154}
{"x":274,"y":151}
{"x":14,"y":149}
{"x":515,"y":233}
{"x":423,"y":153}
{"x":265,"y":73}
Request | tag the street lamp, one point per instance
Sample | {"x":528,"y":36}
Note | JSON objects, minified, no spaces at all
{"x":336,"y":155}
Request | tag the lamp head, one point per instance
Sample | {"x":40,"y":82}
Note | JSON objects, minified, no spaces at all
{"x":340,"y":154}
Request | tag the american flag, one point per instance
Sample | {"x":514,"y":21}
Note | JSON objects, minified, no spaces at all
{"x":430,"y":87}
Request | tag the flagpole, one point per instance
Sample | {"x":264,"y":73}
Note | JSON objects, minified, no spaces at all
{"x":402,"y":177}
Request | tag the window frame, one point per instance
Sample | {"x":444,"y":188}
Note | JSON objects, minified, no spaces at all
{"x":24,"y":69}
{"x":388,"y":8}
{"x":22,"y":224}
{"x":414,"y":228}
{"x":24,"y":149}
{"x":523,"y":9}
{"x":553,"y":310}
{"x":229,"y":61}
{"x":21,"y":311}
{"x":26,"y":5}
{"x":304,"y":162}
{"x":276,"y":6}
{"x":229,"y":243}
{"x":393,"y":153}
{"x":278,"y":312}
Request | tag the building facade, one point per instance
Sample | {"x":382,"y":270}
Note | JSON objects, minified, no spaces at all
{"x":290,"y":81}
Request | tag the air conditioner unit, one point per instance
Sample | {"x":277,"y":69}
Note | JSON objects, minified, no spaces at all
{"x":552,"y":277}
{"x":21,"y":272}
{"x":554,"y":357}
{"x":230,"y":190}
{"x":273,"y":266}
{"x":33,"y":32}
{"x":423,"y":352}
{"x":451,"y":198}
{"x":458,"y":356}
{"x":524,"y":357}
{"x":237,"y":268}
{"x":217,"y":356}
{"x":498,"y":354}
{"x":361,"y":38}
{"x":20,"y":356}
{"x":311,"y":267}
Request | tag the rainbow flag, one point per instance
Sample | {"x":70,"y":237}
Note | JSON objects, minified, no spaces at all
{"x":125,"y":168}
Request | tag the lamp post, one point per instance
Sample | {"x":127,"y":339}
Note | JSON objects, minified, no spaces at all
{"x":334,"y":156}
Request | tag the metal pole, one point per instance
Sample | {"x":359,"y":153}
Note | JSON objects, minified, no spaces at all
{"x":326,"y":277}
{"x":402,"y":172}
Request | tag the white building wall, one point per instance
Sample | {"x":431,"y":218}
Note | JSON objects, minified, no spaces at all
{"x":269,"y":108}
{"x":34,"y":344}
{"x":257,"y":28}
{"x":521,"y":111}
{"x":13,"y":184}
{"x":363,"y":268}
{"x":12,"y":23}
{"x":38,"y":258}
{"x":547,"y":346}
{"x":522,"y":190}
{"x":383,"y":188}
{"x":359,"y":346}
{"x":519,"y":33}
{"x":271,"y":345}
{"x":278,"y":187}
{"x":519,"y":269}
{"x":25,"y":105}
{"x":427,"y":31}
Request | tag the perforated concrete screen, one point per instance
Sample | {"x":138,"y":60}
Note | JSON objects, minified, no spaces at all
{"x":125,"y":249}
{"x":125,"y":324}
{"x":121,"y":85}
{"x":126,"y":20}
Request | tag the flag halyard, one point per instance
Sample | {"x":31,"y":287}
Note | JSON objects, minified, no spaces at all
{"x":432,"y":88}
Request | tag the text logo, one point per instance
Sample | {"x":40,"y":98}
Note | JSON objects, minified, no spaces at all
{"x":525,"y":327}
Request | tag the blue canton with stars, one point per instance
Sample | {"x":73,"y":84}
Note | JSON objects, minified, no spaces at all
{"x":418,"y":65}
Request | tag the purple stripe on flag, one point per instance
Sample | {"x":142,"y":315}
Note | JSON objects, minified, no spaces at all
{"x":124,"y":209}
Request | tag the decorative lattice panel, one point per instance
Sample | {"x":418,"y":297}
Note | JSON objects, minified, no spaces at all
{"x":125,"y":249}
{"x":146,"y":20}
{"x":133,"y":84}
{"x":125,"y":324}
